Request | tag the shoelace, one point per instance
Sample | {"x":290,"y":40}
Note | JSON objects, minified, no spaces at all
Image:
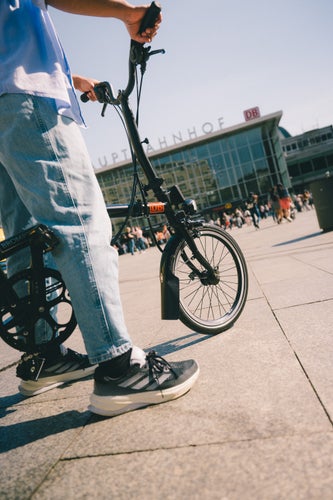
{"x":157,"y":365}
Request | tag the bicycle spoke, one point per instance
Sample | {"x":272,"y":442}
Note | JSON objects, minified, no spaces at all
{"x":211,"y":307}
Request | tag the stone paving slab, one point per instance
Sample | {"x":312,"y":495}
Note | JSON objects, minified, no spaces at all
{"x":304,"y":284}
{"x":257,"y":424}
{"x":291,"y":467}
{"x":34,"y":437}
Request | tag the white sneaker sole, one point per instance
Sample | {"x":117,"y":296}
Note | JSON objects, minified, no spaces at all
{"x":34,"y":387}
{"x":111,"y":406}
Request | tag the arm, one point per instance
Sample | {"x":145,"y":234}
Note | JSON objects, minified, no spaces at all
{"x":120,"y":9}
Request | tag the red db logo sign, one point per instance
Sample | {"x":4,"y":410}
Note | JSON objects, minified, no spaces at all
{"x":251,"y":114}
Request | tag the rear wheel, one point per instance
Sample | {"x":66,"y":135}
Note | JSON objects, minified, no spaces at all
{"x":210,"y":304}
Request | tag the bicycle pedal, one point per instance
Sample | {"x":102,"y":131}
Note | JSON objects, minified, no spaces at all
{"x":29,"y":367}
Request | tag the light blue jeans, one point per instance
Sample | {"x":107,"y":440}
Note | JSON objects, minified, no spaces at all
{"x":46,"y":176}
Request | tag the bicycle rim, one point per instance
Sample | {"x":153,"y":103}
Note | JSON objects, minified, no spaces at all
{"x":211,"y":308}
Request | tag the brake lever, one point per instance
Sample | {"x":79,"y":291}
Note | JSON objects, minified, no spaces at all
{"x":104,"y":109}
{"x":105,"y":95}
{"x":139,"y":54}
{"x":158,"y":51}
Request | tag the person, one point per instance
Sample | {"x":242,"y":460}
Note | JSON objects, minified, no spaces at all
{"x":166,"y":233}
{"x":306,"y":199}
{"x":252,"y":206}
{"x":262,"y":211}
{"x":139,"y":240}
{"x":275,"y":203}
{"x":46,"y":177}
{"x":225,"y":220}
{"x":239,"y":218}
{"x":285,"y":201}
{"x":130,"y":240}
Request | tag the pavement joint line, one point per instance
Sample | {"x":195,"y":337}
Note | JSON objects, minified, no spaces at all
{"x":303,"y":369}
{"x":4,"y":368}
{"x":313,"y":387}
{"x":315,"y":266}
{"x":194,"y":445}
{"x":276,"y":253}
{"x":294,"y":352}
{"x":292,"y":306}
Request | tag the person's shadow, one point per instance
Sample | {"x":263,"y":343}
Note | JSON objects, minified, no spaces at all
{"x":22,"y":433}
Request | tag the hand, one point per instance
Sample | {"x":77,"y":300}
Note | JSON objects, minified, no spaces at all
{"x":85,"y":85}
{"x":130,"y":14}
{"x":133,"y":21}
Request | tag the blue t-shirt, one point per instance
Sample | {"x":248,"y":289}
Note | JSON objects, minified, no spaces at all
{"x":32,"y":60}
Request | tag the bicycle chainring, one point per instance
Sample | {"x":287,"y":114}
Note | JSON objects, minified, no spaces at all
{"x":20,"y":322}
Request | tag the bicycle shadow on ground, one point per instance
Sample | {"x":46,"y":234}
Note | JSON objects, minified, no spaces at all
{"x":180,"y":343}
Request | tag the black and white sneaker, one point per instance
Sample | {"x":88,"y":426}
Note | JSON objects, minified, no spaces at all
{"x":38,"y":376}
{"x":150,"y":380}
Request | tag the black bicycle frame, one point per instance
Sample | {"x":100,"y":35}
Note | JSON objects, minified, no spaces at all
{"x":40,"y":239}
{"x":184,"y":221}
{"x":178,"y":220}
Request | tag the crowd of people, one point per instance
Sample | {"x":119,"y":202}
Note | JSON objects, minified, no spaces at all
{"x":278,"y":204}
{"x":135,"y":241}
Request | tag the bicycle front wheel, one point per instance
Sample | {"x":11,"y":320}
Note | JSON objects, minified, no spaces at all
{"x":205,"y":307}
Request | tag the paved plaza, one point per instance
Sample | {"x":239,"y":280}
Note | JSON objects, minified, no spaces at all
{"x":257,"y":424}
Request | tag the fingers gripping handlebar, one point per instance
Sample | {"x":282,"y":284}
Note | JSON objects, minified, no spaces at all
{"x":150,"y":17}
{"x":138,"y":55}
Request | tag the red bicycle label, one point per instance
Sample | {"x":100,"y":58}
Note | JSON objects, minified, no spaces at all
{"x":156,"y":207}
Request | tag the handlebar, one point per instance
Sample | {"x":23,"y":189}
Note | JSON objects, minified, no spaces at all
{"x":150,"y":17}
{"x":139,"y":55}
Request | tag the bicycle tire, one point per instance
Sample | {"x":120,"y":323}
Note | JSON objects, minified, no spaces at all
{"x":57,"y":313}
{"x":211,"y":308}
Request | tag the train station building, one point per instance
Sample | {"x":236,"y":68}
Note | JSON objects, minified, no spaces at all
{"x":220,"y":168}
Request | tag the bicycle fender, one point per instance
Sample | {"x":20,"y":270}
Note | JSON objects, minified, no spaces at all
{"x":169,"y":282}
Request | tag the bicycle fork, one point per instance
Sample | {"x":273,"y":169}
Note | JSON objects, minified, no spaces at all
{"x":170,"y":298}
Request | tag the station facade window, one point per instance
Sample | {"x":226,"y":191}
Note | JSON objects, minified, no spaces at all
{"x":216,"y":169}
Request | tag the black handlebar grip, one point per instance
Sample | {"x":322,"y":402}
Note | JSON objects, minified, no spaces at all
{"x":149,"y":19}
{"x":84,"y":97}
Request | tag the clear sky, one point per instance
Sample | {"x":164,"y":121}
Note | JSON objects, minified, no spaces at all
{"x":222,"y":57}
